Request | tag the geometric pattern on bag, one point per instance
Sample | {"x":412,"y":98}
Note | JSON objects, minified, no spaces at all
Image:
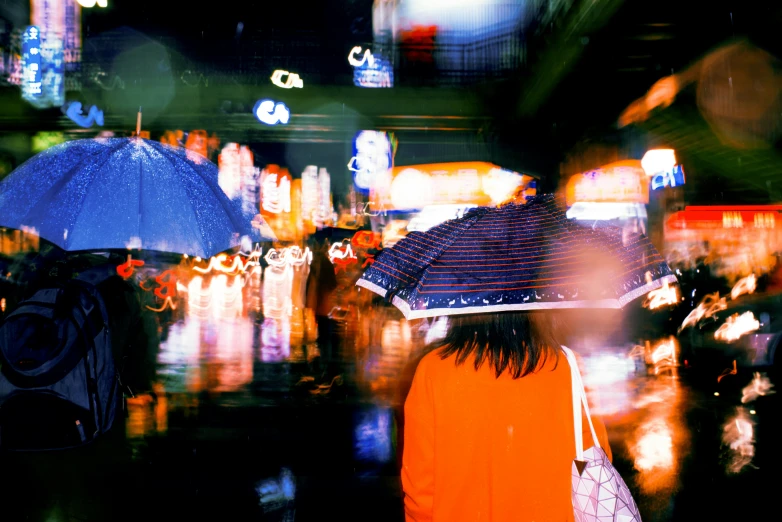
{"x":598,"y":492}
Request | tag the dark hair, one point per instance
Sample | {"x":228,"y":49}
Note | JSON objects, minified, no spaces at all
{"x":519,"y":342}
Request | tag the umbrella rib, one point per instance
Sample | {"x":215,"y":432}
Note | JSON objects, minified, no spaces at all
{"x":204,"y":239}
{"x":64,"y":181}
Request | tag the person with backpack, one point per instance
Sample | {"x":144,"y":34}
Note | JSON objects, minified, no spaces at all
{"x":78,"y":340}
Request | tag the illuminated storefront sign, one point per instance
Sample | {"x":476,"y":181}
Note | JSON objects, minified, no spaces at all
{"x":31,"y":64}
{"x":670,"y":178}
{"x":353,"y":57}
{"x":620,"y":182}
{"x":413,"y":188}
{"x":310,"y":196}
{"x":727,"y":217}
{"x":93,"y":3}
{"x":229,"y":170}
{"x":72,"y":38}
{"x":270,"y":112}
{"x":371,"y":155}
{"x":325,"y":205}
{"x":293,"y":80}
{"x":75,"y":113}
{"x":658,"y":161}
{"x":249,"y":181}
{"x":378,"y":74}
{"x":49,"y":16}
{"x":275,"y":190}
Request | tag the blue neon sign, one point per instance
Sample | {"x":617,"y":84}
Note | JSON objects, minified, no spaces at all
{"x":375,"y":73}
{"x":74,"y":111}
{"x":31,"y":63}
{"x":669,"y":178}
{"x":270,"y":112}
{"x":372,"y":155}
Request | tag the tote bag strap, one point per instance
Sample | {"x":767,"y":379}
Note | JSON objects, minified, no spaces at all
{"x":579,"y":400}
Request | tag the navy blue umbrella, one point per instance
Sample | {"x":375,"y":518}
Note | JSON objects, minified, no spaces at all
{"x":108,"y":193}
{"x":515,"y":257}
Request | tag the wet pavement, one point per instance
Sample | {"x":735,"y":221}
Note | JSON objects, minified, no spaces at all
{"x":250,"y":421}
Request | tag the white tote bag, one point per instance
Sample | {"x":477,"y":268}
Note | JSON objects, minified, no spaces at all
{"x":598,"y":492}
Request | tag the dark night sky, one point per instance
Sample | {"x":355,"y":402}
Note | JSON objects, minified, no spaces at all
{"x":219,"y":21}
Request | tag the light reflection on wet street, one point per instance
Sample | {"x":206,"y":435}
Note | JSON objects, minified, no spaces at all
{"x":250,"y":419}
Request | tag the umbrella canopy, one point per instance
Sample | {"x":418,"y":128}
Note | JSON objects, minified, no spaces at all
{"x":107,"y":193}
{"x":515,"y":257}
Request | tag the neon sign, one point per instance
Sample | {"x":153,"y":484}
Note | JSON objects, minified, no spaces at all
{"x":275,"y":193}
{"x":294,"y":80}
{"x":31,"y":63}
{"x":367,"y":58}
{"x":271,"y":112}
{"x":377,"y":74}
{"x":670,"y":178}
{"x":125,"y":270}
{"x":371,"y":156}
{"x":341,"y":255}
{"x":74,"y":111}
{"x":50,"y":18}
{"x":293,"y":256}
{"x":620,"y":182}
{"x":93,"y":3}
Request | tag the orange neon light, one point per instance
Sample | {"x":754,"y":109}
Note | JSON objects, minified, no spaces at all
{"x":167,"y":285}
{"x":125,"y":270}
{"x":365,"y":239}
{"x":461,"y":182}
{"x":168,"y":303}
{"x":619,"y":182}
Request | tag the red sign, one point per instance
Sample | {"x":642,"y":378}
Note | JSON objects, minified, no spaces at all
{"x":747,"y":216}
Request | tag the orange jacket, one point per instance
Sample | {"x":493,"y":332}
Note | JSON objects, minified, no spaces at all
{"x":477,"y":448}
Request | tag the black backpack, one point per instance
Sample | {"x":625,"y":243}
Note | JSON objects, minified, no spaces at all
{"x":58,"y":383}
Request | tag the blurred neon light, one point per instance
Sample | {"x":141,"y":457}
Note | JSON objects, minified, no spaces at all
{"x":366,"y":58}
{"x":371,"y":156}
{"x":32,"y":69}
{"x":294,"y":80}
{"x":761,"y":385}
{"x":658,"y":160}
{"x":745,"y":285}
{"x":621,"y":181}
{"x":168,"y":303}
{"x":663,"y":296}
{"x":738,"y":434}
{"x":736,"y":326}
{"x":376,"y":75}
{"x":217,"y":264}
{"x":93,"y":116}
{"x":341,"y":255}
{"x":670,"y":178}
{"x":270,"y":112}
{"x":93,"y":3}
{"x":125,"y":270}
{"x":728,"y":216}
{"x":293,"y":256}
{"x":710,"y":305}
{"x":276,"y":193}
{"x":167,"y":282}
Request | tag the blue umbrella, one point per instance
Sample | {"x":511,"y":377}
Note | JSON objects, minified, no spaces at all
{"x":108,"y":193}
{"x":515,"y":257}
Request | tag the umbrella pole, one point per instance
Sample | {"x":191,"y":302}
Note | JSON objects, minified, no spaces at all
{"x":138,"y":122}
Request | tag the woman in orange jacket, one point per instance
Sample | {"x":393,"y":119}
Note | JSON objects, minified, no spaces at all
{"x":488,"y":428}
